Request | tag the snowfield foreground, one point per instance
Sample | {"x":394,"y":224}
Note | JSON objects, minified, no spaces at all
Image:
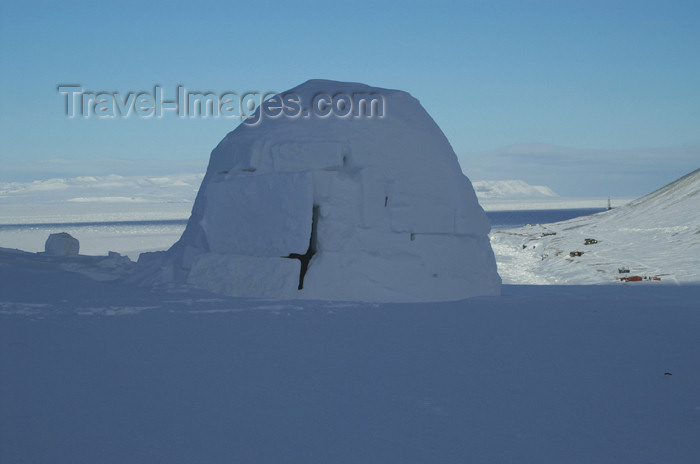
{"x":96,"y":370}
{"x":655,"y":238}
{"x":103,"y":372}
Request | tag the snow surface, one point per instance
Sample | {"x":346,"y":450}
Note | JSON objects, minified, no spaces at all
{"x":656,"y":235}
{"x":106,"y":372}
{"x":95,"y":369}
{"x":380,"y":205}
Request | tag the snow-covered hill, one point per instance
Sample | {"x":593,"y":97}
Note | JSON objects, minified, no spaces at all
{"x":510,"y":189}
{"x":656,"y":235}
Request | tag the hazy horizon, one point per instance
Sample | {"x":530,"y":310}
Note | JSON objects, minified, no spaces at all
{"x":604,"y":170}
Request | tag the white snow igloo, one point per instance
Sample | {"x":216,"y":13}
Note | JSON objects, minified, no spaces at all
{"x":337,"y":208}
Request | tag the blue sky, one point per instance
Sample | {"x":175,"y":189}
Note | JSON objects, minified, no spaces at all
{"x":592,"y":84}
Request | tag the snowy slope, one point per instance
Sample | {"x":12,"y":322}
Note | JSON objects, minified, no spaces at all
{"x":656,"y":235}
{"x":102,"y":372}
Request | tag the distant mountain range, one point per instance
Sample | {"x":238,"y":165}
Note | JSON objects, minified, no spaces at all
{"x":487,"y":189}
{"x":115,"y":197}
{"x":183,"y":187}
{"x":98,"y":199}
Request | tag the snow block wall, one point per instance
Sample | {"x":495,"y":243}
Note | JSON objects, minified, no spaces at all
{"x":340,"y":208}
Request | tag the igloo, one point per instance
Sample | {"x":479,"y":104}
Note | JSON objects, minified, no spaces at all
{"x":324,"y":203}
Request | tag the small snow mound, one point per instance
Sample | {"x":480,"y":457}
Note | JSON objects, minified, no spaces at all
{"x":61,"y":244}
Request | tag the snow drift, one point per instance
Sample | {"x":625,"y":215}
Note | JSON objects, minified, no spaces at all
{"x":345,"y":208}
